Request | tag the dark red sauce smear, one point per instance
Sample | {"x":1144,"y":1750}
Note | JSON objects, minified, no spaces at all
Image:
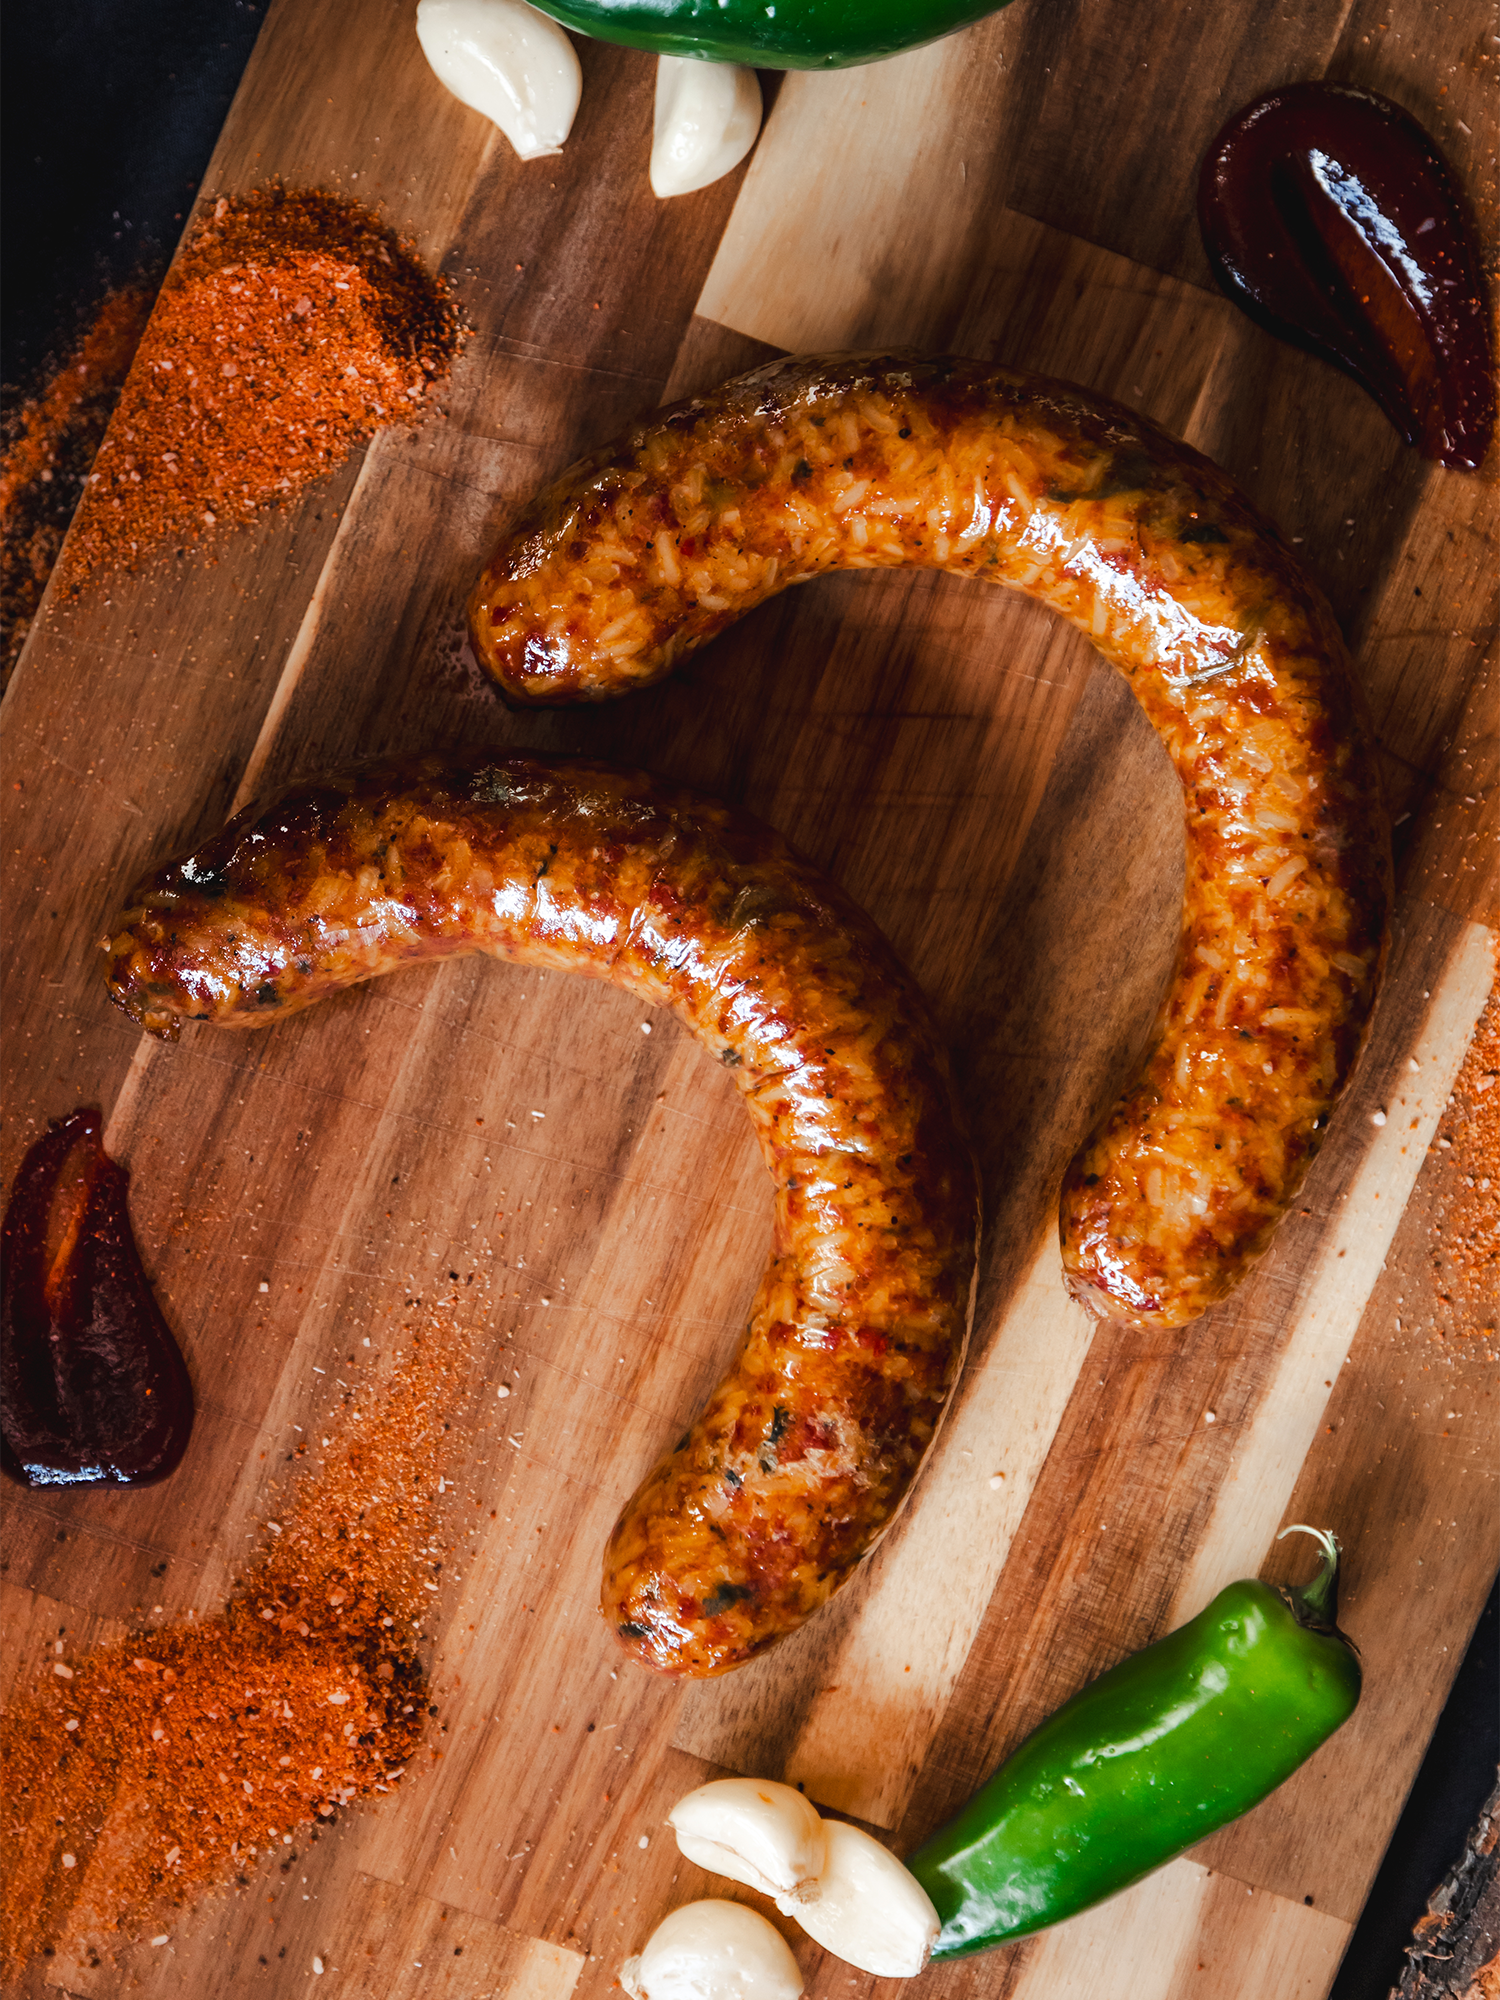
{"x":1330,"y":216}
{"x":93,"y":1388}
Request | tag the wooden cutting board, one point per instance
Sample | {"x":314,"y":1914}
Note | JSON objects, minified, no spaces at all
{"x":965,"y":766}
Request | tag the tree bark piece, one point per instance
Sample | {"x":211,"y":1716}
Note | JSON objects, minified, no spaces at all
{"x":1455,"y":1952}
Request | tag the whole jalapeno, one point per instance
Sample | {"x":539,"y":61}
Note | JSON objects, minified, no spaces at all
{"x":1165,"y":1748}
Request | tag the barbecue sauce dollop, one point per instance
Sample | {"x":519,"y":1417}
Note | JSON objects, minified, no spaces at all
{"x":93,"y":1388}
{"x":1330,"y":216}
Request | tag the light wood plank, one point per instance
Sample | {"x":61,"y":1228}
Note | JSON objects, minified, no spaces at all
{"x":904,"y":157}
{"x":1408,"y":1461}
{"x":1185,"y":1932}
{"x":1407,"y":1093}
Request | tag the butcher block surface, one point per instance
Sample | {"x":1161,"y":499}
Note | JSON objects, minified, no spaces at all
{"x":591,"y":1195}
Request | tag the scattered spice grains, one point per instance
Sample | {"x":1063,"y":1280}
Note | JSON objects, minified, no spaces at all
{"x":149,"y":1771}
{"x":1466,"y":1262}
{"x":48,"y":445}
{"x":292,"y":326}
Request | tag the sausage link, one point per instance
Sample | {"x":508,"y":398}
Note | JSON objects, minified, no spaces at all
{"x":808,"y":1446}
{"x":648,"y":548}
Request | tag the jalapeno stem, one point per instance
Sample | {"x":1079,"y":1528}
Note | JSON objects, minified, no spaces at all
{"x":1315,"y":1604}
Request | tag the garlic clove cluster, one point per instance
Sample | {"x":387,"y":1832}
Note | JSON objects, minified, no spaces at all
{"x":847,"y":1891}
{"x":765,"y":1835}
{"x":509,"y":61}
{"x":706,"y":119}
{"x":713,"y":1951}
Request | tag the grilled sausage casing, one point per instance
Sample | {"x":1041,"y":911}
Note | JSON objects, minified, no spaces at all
{"x":649,"y":547}
{"x":810,"y":1443}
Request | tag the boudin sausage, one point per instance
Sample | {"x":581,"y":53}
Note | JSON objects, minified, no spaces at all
{"x":808,"y":1446}
{"x":656,"y":542}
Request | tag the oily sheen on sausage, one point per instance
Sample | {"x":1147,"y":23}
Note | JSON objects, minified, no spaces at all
{"x":809,"y":1444}
{"x":649,"y":547}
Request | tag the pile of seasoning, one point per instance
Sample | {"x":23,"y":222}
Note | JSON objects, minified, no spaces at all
{"x":292,"y":326}
{"x":146,"y":1772}
{"x":46,"y":450}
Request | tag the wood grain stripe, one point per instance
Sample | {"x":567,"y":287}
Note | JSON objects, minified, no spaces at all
{"x":1252,"y":1500}
{"x":300,"y":650}
{"x":1184,"y":1934}
{"x":863,"y":1738}
{"x":372,"y":1939}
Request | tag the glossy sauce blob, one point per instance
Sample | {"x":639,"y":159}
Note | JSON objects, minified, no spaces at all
{"x":1330,"y":216}
{"x":93,"y":1388}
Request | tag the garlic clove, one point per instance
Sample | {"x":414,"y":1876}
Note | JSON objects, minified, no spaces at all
{"x":713,"y":1951}
{"x":872,"y":1912}
{"x":510,"y":62}
{"x":765,"y":1835}
{"x":707,"y":116}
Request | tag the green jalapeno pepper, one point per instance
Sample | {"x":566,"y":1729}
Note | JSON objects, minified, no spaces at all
{"x":771,"y":34}
{"x":1163,"y":1749}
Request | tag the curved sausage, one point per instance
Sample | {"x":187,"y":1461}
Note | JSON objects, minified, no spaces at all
{"x":648,"y":548}
{"x":810,"y":1443}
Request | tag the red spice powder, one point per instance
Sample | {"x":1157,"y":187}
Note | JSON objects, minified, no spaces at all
{"x":1466,"y":1261}
{"x":146,"y":1772}
{"x":49,"y":444}
{"x":291,"y":327}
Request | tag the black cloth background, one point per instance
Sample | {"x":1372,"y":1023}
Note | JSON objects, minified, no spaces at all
{"x":111,"y":110}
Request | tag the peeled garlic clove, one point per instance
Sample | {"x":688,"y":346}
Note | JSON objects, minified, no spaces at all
{"x":707,"y":116}
{"x":872,"y":1912}
{"x":754,"y":1831}
{"x":510,"y":62}
{"x":713,"y":1951}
